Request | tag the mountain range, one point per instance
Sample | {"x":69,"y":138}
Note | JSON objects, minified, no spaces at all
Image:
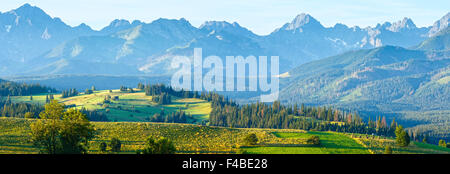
{"x":383,"y":79}
{"x":36,"y":44}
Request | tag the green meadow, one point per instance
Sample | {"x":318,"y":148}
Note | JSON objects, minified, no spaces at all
{"x":331,"y":143}
{"x":130,"y":106}
{"x":15,"y":136}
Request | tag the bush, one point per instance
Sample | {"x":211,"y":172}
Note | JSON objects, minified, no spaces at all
{"x":442,"y":143}
{"x":388,"y":150}
{"x":162,"y":146}
{"x":251,"y":139}
{"x":102,"y":147}
{"x":241,"y":151}
{"x":88,"y":91}
{"x":29,"y":115}
{"x":313,"y":140}
{"x":115,"y":145}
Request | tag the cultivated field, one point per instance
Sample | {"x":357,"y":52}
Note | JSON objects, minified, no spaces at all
{"x":331,"y":143}
{"x":15,"y":138}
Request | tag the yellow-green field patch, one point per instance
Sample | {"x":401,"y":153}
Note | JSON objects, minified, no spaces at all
{"x":130,"y":106}
{"x":330,"y":143}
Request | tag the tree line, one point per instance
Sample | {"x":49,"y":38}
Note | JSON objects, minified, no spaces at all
{"x":174,"y":117}
{"x":69,"y":93}
{"x":226,"y":113}
{"x":21,"y":89}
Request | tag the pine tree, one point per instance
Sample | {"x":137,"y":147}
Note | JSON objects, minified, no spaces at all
{"x":402,"y":138}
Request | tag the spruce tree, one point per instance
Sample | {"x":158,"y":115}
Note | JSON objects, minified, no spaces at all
{"x":402,"y":137}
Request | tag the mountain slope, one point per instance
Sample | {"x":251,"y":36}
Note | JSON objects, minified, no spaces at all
{"x":36,"y":44}
{"x":384,"y":79}
{"x":122,"y":52}
{"x":441,"y":41}
{"x":28,"y":31}
{"x":305,"y":39}
{"x":440,"y":25}
{"x":217,"y":39}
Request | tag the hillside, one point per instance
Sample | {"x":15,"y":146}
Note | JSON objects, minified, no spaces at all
{"x":134,"y":106}
{"x":14,"y":138}
{"x":440,"y":42}
{"x":408,"y":84}
{"x":383,"y":79}
{"x":385,"y":75}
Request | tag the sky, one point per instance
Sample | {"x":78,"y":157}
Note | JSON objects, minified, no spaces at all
{"x":260,"y":16}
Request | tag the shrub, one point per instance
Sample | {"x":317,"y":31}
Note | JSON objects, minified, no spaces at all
{"x":102,"y":147}
{"x":241,"y":151}
{"x":251,"y":139}
{"x":388,"y":150}
{"x":313,"y":140}
{"x":161,"y":146}
{"x":115,"y":145}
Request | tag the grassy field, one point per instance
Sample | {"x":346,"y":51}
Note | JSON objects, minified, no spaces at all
{"x":377,"y":145}
{"x":331,"y":143}
{"x":188,"y":138}
{"x":130,"y":106}
{"x":128,"y":112}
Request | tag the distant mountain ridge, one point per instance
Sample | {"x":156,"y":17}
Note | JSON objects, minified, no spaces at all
{"x":28,"y":31}
{"x":386,"y":78}
{"x":37,"y":44}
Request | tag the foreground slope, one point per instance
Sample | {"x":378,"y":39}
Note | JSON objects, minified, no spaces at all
{"x":15,"y":135}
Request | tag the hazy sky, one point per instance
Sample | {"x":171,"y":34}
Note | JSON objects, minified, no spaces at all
{"x":260,"y":16}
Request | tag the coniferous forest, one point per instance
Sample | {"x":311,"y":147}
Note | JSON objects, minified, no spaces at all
{"x":18,"y":89}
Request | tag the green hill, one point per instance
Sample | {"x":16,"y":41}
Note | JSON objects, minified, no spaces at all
{"x":385,"y":75}
{"x":15,"y":135}
{"x":128,"y":106}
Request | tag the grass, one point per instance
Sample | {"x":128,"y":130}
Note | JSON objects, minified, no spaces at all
{"x":15,"y":137}
{"x":130,"y":106}
{"x":15,"y":134}
{"x":331,"y":143}
{"x":377,"y":145}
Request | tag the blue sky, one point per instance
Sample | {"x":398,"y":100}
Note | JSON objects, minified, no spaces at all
{"x":260,"y":16}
